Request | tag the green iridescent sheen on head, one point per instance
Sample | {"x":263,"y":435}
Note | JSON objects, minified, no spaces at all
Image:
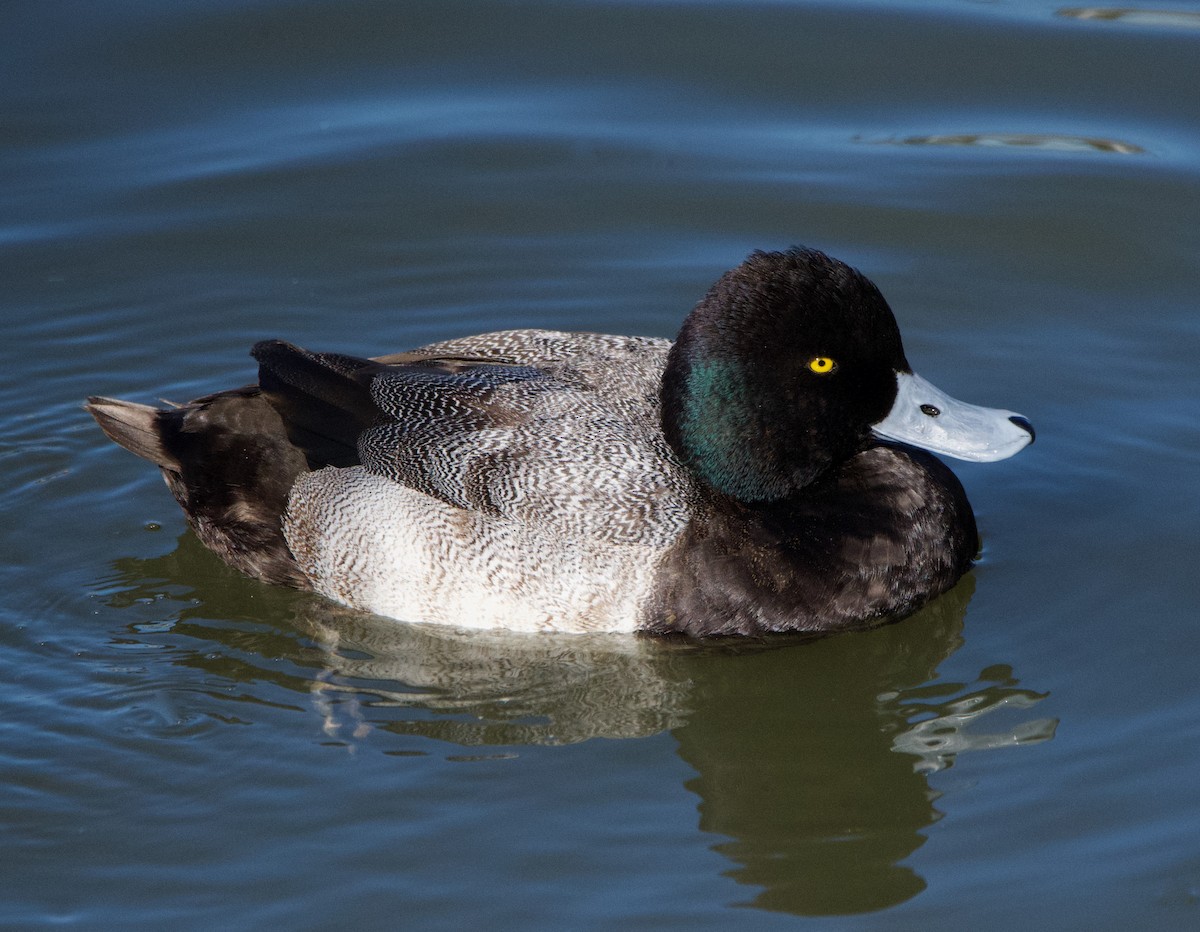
{"x":715,"y":422}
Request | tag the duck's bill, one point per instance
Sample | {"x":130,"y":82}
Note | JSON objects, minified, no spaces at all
{"x":927,"y":417}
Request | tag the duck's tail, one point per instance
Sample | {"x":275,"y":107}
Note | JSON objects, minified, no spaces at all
{"x":229,"y":463}
{"x":133,"y":426}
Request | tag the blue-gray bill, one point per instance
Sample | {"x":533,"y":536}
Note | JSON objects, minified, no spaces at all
{"x":925,"y":416}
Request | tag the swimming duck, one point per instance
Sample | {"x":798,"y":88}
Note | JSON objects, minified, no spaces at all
{"x":760,"y":474}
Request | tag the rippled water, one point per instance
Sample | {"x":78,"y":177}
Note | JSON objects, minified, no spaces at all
{"x":180,"y":747}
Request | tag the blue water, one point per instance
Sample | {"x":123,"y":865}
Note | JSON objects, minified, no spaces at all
{"x":183,"y":748}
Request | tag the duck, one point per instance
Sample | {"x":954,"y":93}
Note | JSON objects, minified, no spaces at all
{"x":773,"y":469}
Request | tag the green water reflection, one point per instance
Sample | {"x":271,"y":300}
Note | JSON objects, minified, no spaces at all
{"x":811,"y":759}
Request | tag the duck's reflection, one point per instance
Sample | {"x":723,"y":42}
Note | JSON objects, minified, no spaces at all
{"x":495,"y":688}
{"x":811,"y":759}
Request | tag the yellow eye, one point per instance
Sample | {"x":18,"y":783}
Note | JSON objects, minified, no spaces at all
{"x":822,"y":365}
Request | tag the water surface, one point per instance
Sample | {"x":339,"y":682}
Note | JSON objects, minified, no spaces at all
{"x":182,"y":747}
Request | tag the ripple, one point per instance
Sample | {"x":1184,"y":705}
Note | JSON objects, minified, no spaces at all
{"x":1159,"y":19}
{"x":1051,"y":142}
{"x":942,"y":719}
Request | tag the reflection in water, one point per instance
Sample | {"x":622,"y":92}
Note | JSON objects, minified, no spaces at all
{"x":1166,"y":19}
{"x":811,"y":758}
{"x":1053,"y":142}
{"x":495,"y":688}
{"x":940,"y":730}
{"x":797,"y":764}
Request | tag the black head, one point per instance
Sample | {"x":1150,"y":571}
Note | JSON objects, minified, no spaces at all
{"x":779,"y":372}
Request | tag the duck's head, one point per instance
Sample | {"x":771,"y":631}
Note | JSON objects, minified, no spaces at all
{"x":793,"y":363}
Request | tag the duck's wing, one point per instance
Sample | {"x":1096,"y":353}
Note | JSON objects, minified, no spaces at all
{"x":445,"y":425}
{"x":569,"y":445}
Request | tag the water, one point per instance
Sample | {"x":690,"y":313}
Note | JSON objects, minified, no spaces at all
{"x":180,"y":747}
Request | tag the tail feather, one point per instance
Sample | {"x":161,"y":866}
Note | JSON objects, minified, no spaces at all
{"x":133,"y":426}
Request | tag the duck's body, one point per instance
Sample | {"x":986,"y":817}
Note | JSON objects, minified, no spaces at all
{"x":543,"y":491}
{"x":536,"y":480}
